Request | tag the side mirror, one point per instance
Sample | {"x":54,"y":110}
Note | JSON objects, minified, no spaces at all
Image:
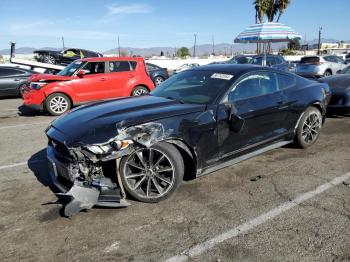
{"x":236,"y":122}
{"x":81,"y":73}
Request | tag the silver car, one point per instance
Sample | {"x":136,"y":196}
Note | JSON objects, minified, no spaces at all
{"x":318,"y":66}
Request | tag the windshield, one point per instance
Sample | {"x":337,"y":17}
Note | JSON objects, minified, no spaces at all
{"x":240,"y":60}
{"x":198,"y":87}
{"x":70,"y":69}
{"x":346,"y":70}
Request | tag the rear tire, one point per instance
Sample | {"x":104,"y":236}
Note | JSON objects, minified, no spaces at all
{"x":57,"y":104}
{"x":140,"y":91}
{"x":49,"y":59}
{"x":309,"y":126}
{"x":22,"y":89}
{"x":152,"y":174}
{"x":327,"y":73}
{"x":158,"y":80}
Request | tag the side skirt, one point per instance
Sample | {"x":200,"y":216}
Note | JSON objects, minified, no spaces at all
{"x":243,"y":157}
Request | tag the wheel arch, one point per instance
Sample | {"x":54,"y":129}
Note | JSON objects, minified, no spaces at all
{"x":137,"y":85}
{"x":188,"y":156}
{"x":59,"y":92}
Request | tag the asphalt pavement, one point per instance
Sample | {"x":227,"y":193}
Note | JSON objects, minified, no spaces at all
{"x":288,"y":204}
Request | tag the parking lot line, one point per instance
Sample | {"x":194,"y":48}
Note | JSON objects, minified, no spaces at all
{"x":210,"y":243}
{"x":21,"y":125}
{"x":21,"y":164}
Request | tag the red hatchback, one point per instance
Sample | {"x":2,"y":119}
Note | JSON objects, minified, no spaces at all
{"x":86,"y":80}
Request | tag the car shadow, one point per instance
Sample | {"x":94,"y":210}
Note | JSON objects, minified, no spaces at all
{"x":29,"y":112}
{"x":38,"y":164}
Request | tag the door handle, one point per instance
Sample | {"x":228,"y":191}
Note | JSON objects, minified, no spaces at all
{"x":103,"y":79}
{"x":280,"y":102}
{"x":17,"y":79}
{"x":131,"y":76}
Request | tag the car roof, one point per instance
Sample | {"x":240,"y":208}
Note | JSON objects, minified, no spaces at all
{"x":238,"y":69}
{"x":111,"y":58}
{"x":19,"y":68}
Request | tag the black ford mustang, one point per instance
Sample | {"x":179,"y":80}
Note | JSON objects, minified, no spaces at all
{"x":194,"y":123}
{"x":340,"y":88}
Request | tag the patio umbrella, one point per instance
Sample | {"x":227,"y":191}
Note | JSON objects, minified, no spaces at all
{"x":266,"y":33}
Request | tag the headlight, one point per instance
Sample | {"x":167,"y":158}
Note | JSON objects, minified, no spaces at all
{"x":108,"y":148}
{"x":347,"y":89}
{"x":37,"y":85}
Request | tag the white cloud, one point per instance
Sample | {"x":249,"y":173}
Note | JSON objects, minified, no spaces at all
{"x":129,"y":9}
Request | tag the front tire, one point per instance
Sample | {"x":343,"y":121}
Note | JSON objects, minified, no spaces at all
{"x":309,"y":126}
{"x":152,"y":174}
{"x":140,"y":91}
{"x":57,"y":104}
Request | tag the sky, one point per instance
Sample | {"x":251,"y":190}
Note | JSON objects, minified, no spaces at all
{"x":95,"y":25}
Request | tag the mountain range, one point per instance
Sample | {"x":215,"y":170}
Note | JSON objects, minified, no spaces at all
{"x":204,"y":49}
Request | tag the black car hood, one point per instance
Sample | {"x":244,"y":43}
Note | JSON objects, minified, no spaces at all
{"x":337,"y":82}
{"x":97,"y":123}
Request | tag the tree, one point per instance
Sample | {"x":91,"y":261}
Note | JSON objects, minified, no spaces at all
{"x":294,"y":44}
{"x":183,"y":52}
{"x":270,"y":8}
{"x":282,"y":7}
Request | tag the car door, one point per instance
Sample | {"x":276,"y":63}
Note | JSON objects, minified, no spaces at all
{"x":10,"y":80}
{"x":93,"y":85}
{"x":121,"y":77}
{"x":258,"y":106}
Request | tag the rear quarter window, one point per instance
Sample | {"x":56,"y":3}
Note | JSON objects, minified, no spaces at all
{"x":285,"y":81}
{"x":119,"y":66}
{"x":310,"y":60}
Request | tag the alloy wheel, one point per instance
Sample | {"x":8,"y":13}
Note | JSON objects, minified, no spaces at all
{"x":158,"y":80}
{"x":311,"y":127}
{"x":149,"y":173}
{"x":59,"y":104}
{"x":140,"y":92}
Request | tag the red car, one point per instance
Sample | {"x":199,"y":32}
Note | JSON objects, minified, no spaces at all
{"x":86,"y":80}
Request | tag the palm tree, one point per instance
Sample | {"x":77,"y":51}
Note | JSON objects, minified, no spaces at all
{"x":282,"y":6}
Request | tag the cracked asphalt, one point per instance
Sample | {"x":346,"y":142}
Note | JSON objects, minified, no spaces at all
{"x":318,"y":229}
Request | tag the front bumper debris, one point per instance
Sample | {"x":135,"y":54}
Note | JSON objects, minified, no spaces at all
{"x":100,"y":191}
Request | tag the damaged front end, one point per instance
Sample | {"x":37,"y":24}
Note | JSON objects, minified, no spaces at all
{"x":88,"y":174}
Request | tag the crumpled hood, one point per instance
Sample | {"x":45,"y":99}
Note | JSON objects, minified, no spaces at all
{"x":99,"y":122}
{"x":338,"y":83}
{"x":48,"y":77}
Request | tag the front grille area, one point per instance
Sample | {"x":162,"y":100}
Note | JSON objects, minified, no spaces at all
{"x":337,"y":100}
{"x":60,"y":150}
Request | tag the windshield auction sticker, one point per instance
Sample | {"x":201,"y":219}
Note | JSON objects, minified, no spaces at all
{"x":222,"y":76}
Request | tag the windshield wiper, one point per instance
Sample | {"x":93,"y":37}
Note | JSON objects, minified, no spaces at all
{"x":176,"y":99}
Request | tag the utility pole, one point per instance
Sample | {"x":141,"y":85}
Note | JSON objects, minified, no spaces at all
{"x":118,"y":47}
{"x":194,"y":47}
{"x":63,"y":42}
{"x":212,"y":38}
{"x":319,"y":40}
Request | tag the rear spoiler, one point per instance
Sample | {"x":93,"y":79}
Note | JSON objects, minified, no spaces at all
{"x":31,"y":64}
